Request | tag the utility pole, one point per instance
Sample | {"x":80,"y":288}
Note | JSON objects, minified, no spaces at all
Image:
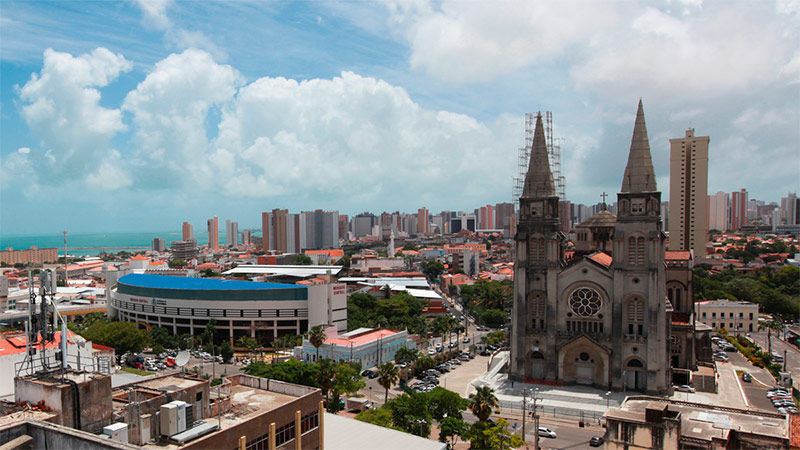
{"x":66,"y":270}
{"x":524,"y":400}
{"x":535,"y":421}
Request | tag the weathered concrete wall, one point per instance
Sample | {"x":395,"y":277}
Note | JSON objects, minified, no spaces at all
{"x":47,"y":435}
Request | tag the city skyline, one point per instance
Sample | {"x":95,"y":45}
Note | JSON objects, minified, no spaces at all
{"x":122,"y":116}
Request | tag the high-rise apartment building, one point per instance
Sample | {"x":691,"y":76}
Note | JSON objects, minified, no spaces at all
{"x":423,"y":221}
{"x":188,"y":231}
{"x":738,"y":209}
{"x":231,"y":233}
{"x":213,"y":233}
{"x":159,"y":245}
{"x":273,"y":228}
{"x":247,"y":238}
{"x":719,"y":211}
{"x":485,"y":217}
{"x":343,"y":221}
{"x":362,"y":224}
{"x":505,"y":218}
{"x":688,"y":192}
{"x":791,"y":209}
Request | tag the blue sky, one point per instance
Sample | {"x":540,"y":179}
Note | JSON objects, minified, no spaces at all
{"x":138,"y":115}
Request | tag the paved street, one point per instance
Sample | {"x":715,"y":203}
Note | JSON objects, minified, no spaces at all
{"x":779,"y":346}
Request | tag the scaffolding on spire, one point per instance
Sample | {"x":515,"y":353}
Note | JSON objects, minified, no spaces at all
{"x":553,"y":153}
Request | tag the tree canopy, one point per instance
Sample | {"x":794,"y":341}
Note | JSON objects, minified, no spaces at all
{"x":775,"y":291}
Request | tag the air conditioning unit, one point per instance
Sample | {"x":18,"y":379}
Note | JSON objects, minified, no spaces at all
{"x":117,"y":432}
{"x":144,"y":429}
{"x":169,"y":419}
{"x":189,"y":415}
{"x":181,"y":415}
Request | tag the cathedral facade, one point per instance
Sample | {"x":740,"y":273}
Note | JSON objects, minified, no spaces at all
{"x":599,"y":315}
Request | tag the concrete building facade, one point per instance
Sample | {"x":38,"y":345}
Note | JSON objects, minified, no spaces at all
{"x":188,"y":231}
{"x":688,"y":192}
{"x":719,"y":211}
{"x":594,"y":319}
{"x":738,"y":209}
{"x":734,"y":316}
{"x":213,"y":234}
{"x":263,"y":311}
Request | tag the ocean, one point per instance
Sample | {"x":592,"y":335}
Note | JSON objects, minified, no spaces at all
{"x":91,"y":244}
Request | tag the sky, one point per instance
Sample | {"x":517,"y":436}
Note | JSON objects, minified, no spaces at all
{"x":139,"y":115}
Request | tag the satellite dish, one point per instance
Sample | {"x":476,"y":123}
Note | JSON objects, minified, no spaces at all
{"x":182,"y":358}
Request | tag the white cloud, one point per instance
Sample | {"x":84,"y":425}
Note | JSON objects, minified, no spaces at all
{"x":111,"y":175}
{"x":476,"y":41}
{"x":155,"y":13}
{"x":61,"y":105}
{"x":169,"y":110}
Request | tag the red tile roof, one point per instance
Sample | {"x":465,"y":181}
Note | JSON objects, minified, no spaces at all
{"x":601,"y":258}
{"x":677,"y":254}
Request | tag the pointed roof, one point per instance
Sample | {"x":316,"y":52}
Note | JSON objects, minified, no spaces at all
{"x":539,"y":179}
{"x":639,"y":175}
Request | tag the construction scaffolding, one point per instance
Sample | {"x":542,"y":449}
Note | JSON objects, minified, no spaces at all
{"x":553,"y":151}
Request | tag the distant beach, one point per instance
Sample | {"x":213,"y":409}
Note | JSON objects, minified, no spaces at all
{"x":96,"y":242}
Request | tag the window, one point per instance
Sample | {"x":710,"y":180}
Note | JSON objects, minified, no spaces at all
{"x":713,"y":315}
{"x":309,"y":422}
{"x":704,"y":314}
{"x":536,"y":308}
{"x":751,"y":316}
{"x":635,"y":316}
{"x":741,"y":315}
{"x":636,"y":251}
{"x":585,"y":302}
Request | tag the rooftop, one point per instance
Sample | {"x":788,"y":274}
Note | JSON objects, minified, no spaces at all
{"x":169,"y":282}
{"x":369,"y":335}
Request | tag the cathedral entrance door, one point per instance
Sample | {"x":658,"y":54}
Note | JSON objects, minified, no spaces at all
{"x":584,"y":374}
{"x":536,"y":361}
{"x":634,"y":375}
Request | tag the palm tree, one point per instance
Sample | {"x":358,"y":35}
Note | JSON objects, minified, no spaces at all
{"x":770,"y":325}
{"x":317,"y":338}
{"x":387,"y":376}
{"x":326,"y":375}
{"x":482,"y":402}
{"x":406,"y":354}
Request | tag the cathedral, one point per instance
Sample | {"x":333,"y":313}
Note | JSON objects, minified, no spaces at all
{"x":617,"y":311}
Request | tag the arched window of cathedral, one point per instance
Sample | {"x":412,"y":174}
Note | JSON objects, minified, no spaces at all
{"x":585,"y":302}
{"x":677,"y":303}
{"x":537,"y":251}
{"x":536,"y":308}
{"x":636,"y":251}
{"x":635,"y":316}
{"x":635,"y":363}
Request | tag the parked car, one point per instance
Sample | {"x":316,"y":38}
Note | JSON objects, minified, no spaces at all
{"x":746,"y":377}
{"x":547,"y":432}
{"x":596,"y":441}
{"x":463,"y":357}
{"x":431,"y":351}
{"x":685,"y":388}
{"x":466,"y":340}
{"x":431,"y":380}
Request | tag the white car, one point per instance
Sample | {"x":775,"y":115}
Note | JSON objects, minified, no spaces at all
{"x":547,"y":432}
{"x":685,"y":388}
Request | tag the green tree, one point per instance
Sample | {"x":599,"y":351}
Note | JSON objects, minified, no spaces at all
{"x":326,"y":372}
{"x":177,"y":263}
{"x":290,"y":371}
{"x":445,"y":403}
{"x":410,"y":246}
{"x":451,"y":428}
{"x":158,"y":349}
{"x":482,"y":403}
{"x":410,"y":413}
{"x":432,"y":269}
{"x":387,"y":376}
{"x":406,"y":354}
{"x":494,"y":437}
{"x":317,"y":337}
{"x":247,"y":343}
{"x":226,"y":351}
{"x":303,"y":260}
{"x":494,"y":318}
{"x":378,"y":416}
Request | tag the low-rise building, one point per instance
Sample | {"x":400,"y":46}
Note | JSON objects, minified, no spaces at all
{"x":656,"y":423}
{"x":732,"y":315}
{"x":369,"y":346}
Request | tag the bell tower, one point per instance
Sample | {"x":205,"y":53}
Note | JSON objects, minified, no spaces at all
{"x":539,"y":255}
{"x":639,"y":270}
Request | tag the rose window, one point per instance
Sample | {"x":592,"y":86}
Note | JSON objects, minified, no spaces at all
{"x":585,"y":302}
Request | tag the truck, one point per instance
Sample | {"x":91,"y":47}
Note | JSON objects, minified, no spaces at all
{"x":358,"y":404}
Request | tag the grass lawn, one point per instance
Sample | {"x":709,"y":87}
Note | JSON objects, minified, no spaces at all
{"x":135,"y":371}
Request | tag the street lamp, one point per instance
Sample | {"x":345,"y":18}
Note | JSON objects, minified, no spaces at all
{"x":608,"y":398}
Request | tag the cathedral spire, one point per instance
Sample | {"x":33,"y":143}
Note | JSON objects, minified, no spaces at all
{"x":539,"y":179}
{"x":639,"y":175}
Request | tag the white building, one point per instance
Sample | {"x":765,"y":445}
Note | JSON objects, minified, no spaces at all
{"x":262,"y":311}
{"x":734,"y":316}
{"x":369,"y":346}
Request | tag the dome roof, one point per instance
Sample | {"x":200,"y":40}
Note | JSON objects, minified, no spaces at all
{"x":602,"y":219}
